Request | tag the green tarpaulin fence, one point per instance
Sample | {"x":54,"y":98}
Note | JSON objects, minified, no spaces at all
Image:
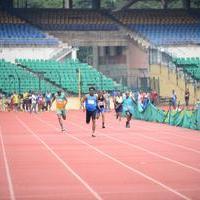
{"x":184,"y":118}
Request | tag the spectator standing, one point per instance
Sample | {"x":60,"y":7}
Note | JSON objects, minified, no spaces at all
{"x":25,"y":101}
{"x":154,"y":97}
{"x":118,"y":101}
{"x":174,"y":99}
{"x":40,"y":102}
{"x":198,"y":104}
{"x":33,"y":103}
{"x":187,"y":97}
{"x":15,"y":101}
{"x":107,"y":101}
{"x":48,"y":98}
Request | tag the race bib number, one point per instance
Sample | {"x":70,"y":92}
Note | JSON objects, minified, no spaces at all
{"x":61,"y":104}
{"x":91,"y":102}
{"x":129,"y":107}
{"x":101,"y":103}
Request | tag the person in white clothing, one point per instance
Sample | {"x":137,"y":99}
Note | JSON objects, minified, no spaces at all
{"x":33,"y":103}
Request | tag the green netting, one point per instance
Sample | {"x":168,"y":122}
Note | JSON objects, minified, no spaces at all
{"x":184,"y":118}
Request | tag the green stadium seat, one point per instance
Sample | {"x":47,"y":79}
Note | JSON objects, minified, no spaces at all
{"x":28,"y":81}
{"x":66,"y":74}
{"x":190,"y":66}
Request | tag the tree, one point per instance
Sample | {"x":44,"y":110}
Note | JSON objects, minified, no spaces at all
{"x":82,"y":4}
{"x":196,"y":3}
{"x":45,"y":3}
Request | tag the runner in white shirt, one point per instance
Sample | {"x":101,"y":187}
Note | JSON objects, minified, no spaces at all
{"x":33,"y":102}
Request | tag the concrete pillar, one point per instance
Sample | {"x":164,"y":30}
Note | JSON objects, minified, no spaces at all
{"x":104,"y":51}
{"x":68,"y":3}
{"x":137,"y":61}
{"x":186,"y":4}
{"x":164,"y":4}
{"x":8,"y":4}
{"x":101,"y":51}
{"x":95,"y":56}
{"x":74,"y":53}
{"x":96,"y":4}
{"x":128,"y":63}
{"x":112,"y":51}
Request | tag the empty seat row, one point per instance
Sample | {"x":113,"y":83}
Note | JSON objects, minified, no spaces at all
{"x":81,"y":27}
{"x":65,"y":74}
{"x":190,"y":66}
{"x":14,"y":78}
{"x":155,"y":16}
{"x":14,"y":33}
{"x":167,"y":34}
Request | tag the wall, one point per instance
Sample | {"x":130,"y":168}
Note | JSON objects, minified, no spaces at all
{"x":137,"y":62}
{"x":183,"y":51}
{"x":169,"y":81}
{"x":91,"y":38}
{"x":10,"y":54}
{"x":126,"y":67}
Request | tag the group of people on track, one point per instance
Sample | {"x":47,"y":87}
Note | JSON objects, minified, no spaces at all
{"x":94,"y":105}
{"x":30,"y":101}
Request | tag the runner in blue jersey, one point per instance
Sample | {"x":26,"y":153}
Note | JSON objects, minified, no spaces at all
{"x":128,"y":108}
{"x":91,"y":104}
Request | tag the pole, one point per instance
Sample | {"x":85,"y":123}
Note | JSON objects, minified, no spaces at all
{"x":101,"y":82}
{"x":9,"y":86}
{"x":39,"y":83}
{"x":14,"y":84}
{"x":19,"y":85}
{"x":13,"y":80}
{"x":170,"y":109}
{"x":39,"y":76}
{"x":79,"y":84}
{"x":59,"y":78}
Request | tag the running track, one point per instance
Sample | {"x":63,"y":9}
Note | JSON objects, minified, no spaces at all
{"x":148,"y":161}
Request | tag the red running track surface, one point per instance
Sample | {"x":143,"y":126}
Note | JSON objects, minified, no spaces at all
{"x":148,"y":161}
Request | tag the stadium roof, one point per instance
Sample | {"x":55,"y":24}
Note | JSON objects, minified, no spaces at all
{"x":96,"y":4}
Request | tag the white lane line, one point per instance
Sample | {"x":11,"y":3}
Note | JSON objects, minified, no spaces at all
{"x":164,"y":142}
{"x":8,"y":175}
{"x":167,"y":132}
{"x":121,"y":163}
{"x":150,"y":152}
{"x":153,"y":153}
{"x":94,"y":193}
{"x":146,"y":150}
{"x":168,"y":143}
{"x":157,"y":140}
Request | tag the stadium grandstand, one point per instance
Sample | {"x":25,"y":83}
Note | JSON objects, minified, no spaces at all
{"x":121,"y":40}
{"x":99,"y":99}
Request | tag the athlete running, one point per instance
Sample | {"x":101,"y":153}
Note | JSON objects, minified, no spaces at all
{"x":118,"y":101}
{"x":61,"y":101}
{"x":91,"y":104}
{"x":101,"y":107}
{"x":128,"y":108}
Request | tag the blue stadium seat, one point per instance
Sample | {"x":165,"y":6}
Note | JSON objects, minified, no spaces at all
{"x":21,"y":33}
{"x":169,"y":34}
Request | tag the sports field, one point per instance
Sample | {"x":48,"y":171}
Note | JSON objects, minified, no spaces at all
{"x":148,"y":161}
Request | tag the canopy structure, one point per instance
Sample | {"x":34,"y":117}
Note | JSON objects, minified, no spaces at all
{"x":95,"y":4}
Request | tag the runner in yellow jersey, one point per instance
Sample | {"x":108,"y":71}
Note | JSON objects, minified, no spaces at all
{"x":15,"y":100}
{"x":61,"y":102}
